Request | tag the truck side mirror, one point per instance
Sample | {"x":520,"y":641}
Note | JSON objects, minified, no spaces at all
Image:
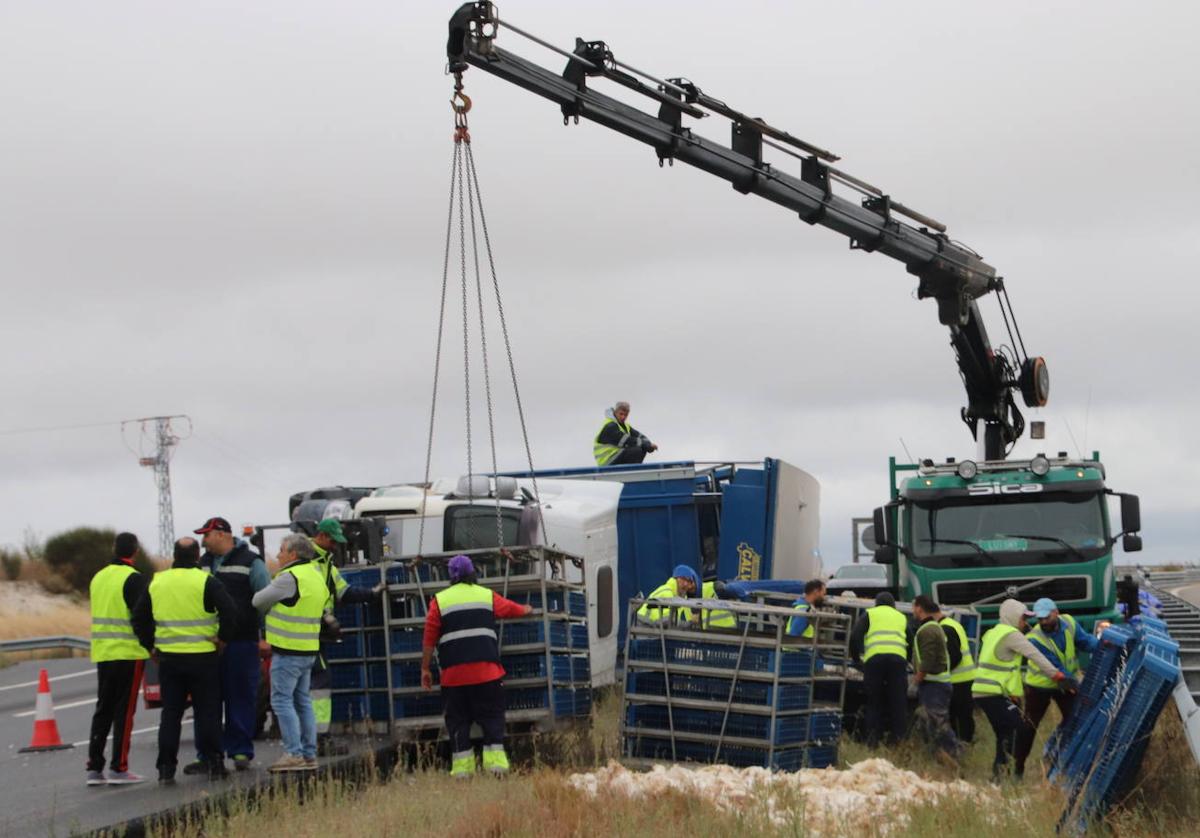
{"x":880,"y":532}
{"x":1131,"y":543}
{"x":1131,"y":513}
{"x":886,"y":554}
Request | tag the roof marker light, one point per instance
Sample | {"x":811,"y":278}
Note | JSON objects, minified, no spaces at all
{"x":1039,"y":465}
{"x":967,"y":469}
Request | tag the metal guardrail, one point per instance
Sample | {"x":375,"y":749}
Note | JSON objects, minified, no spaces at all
{"x":1183,"y":622}
{"x":34,"y":644}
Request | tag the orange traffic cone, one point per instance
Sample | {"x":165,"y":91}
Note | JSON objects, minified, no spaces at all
{"x":45,"y":729}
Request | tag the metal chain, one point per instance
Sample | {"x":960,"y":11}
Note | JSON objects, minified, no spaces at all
{"x":462,"y":243}
{"x":455,"y":168}
{"x":507,"y":342}
{"x":487,"y":384}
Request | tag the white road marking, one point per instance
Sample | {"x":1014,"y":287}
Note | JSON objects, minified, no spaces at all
{"x":54,"y":678}
{"x":131,"y":733}
{"x":79,"y":703}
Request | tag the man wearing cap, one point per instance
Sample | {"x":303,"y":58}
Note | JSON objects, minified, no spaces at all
{"x":243,"y":573}
{"x":1058,"y":637}
{"x":684,"y":583}
{"x":880,"y":641}
{"x":119,"y":659}
{"x":997,"y":684}
{"x":461,"y":625}
{"x":329,"y":535}
{"x":293,"y":604}
{"x":185,"y":617}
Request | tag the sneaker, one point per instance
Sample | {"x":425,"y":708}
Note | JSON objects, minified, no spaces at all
{"x":96,"y":778}
{"x":196,"y":767}
{"x":124,"y":778}
{"x":241,"y":762}
{"x":289,"y":762}
{"x":310,"y":763}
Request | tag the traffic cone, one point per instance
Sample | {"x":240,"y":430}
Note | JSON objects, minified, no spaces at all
{"x":45,"y":729}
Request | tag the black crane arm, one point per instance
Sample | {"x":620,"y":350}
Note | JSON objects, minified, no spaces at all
{"x":950,"y":273}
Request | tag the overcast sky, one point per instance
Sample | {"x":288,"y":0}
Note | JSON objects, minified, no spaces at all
{"x":236,"y":211}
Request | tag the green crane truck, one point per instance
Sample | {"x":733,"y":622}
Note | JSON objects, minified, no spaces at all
{"x":975,"y":534}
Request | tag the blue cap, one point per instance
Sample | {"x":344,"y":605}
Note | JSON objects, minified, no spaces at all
{"x":1043,"y":607}
{"x":687,"y":573}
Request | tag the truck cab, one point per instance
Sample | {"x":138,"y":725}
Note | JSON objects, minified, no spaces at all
{"x":975,"y":534}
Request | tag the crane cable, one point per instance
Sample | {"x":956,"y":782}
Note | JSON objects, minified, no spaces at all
{"x":463,"y":175}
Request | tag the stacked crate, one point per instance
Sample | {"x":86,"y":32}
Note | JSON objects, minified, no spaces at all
{"x":753,"y":696}
{"x":546,"y":655}
{"x":358,"y":662}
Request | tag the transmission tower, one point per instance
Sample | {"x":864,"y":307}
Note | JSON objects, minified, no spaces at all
{"x":156,"y":431}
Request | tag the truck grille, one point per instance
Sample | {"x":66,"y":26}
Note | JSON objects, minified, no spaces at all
{"x":1067,"y":589}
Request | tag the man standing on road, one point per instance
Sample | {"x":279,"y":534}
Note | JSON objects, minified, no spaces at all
{"x":461,"y":624}
{"x":184,"y":616}
{"x":931,"y":665}
{"x":119,"y":659}
{"x":242,"y":572}
{"x":880,"y":640}
{"x":619,"y":443}
{"x":1058,"y":637}
{"x":293,"y":604}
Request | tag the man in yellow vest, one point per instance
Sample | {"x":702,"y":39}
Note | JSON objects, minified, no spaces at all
{"x":997,"y":685}
{"x":683,"y":584}
{"x":294,"y":603}
{"x":619,"y":443}
{"x":461,"y":625}
{"x":879,"y":640}
{"x":931,"y":668}
{"x":119,"y":659}
{"x":329,"y":536}
{"x":962,"y":675}
{"x":814,"y":595}
{"x":715,"y":618}
{"x":184,"y":617}
{"x":1059,"y":637}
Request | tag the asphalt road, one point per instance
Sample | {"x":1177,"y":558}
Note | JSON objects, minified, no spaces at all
{"x":1191,"y":593}
{"x":44,"y":793}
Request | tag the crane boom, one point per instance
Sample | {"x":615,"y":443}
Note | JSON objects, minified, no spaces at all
{"x":950,"y":273}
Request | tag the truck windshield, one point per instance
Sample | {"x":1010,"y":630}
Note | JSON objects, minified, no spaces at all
{"x":1015,"y":530}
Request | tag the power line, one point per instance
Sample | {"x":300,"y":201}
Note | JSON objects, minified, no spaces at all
{"x":47,"y":428}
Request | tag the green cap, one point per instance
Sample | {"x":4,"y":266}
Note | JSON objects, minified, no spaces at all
{"x":332,"y":527}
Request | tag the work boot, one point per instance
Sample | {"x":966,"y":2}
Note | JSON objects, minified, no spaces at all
{"x":166,"y":776}
{"x":197,"y":766}
{"x":495,"y":760}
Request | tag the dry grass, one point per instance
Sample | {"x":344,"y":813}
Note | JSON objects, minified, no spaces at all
{"x":538,"y":801}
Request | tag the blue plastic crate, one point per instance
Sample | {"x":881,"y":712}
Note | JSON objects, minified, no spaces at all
{"x":377,"y":676}
{"x":742,"y":756}
{"x":374,"y":644}
{"x":583,"y":701}
{"x":409,"y":639}
{"x":348,"y":707}
{"x":788,"y":729}
{"x":347,"y":676}
{"x":824,"y":727}
{"x":576,"y":602}
{"x":377,"y":706}
{"x":792,"y":663}
{"x":404,"y":573}
{"x":350,"y":616}
{"x":562,"y":634}
{"x":415,"y":706}
{"x":533,"y":665}
{"x":560,"y":699}
{"x":361,"y":577}
{"x":821,"y":757}
{"x":408,"y":674}
{"x":1102,"y":670}
{"x":350,"y":646}
{"x":703,"y":687}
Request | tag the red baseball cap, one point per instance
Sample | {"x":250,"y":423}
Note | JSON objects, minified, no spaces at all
{"x":214,"y":525}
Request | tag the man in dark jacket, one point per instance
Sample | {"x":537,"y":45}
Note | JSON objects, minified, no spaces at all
{"x":184,"y":618}
{"x":243,"y":573}
{"x":931,"y":665}
{"x":619,"y":443}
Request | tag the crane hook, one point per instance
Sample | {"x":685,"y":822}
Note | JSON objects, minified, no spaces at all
{"x":460,"y":102}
